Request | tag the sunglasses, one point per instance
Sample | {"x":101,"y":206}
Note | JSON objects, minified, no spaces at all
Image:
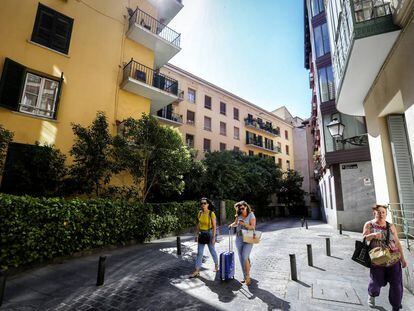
{"x":242,"y":208}
{"x":203,"y":203}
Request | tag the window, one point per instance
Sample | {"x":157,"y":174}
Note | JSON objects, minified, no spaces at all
{"x":223,"y":108}
{"x":223,"y":129}
{"x":190,"y":117}
{"x":287,"y":149}
{"x":236,"y":148}
{"x":189,"y":140}
{"x":277,"y":131}
{"x":268,"y":143}
{"x":286,"y":134}
{"x":326,"y":84}
{"x":39,"y":96}
{"x":321,"y":37}
{"x":317,"y":7}
{"x":207,"y":145}
{"x":288,"y":164}
{"x":52,"y":29}
{"x":222,"y":146}
{"x":191,"y":95}
{"x":236,"y":133}
{"x":260,"y":155}
{"x":207,"y":102}
{"x":279,"y":147}
{"x":279,"y":162}
{"x":24,"y":91}
{"x":273,"y":158}
{"x":207,"y":124}
{"x":235,"y":113}
{"x":251,"y":153}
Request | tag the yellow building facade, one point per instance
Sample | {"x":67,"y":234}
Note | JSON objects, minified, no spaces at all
{"x":63,"y":61}
{"x":211,"y":119}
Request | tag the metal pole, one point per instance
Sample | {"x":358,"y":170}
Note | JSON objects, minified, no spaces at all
{"x":306,"y":224}
{"x":101,"y":271}
{"x":293,"y":270}
{"x":310,"y":257}
{"x":178,"y":246}
{"x":328,"y":247}
{"x":2,"y":285}
{"x":340,"y":228}
{"x":302,"y":221}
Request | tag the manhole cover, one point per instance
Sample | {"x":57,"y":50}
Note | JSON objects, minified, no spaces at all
{"x":335,"y":291}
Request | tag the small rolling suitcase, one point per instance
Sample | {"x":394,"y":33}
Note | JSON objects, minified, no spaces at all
{"x":227,"y":262}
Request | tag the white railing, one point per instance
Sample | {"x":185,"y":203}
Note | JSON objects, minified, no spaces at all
{"x":403,"y":218}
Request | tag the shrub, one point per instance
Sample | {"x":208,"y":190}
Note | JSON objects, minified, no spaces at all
{"x":35,"y":230}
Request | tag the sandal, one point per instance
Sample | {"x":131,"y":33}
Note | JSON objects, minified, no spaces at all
{"x":248,"y":281}
{"x":195,"y":274}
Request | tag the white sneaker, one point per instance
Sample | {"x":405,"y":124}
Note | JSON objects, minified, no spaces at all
{"x":371,"y":301}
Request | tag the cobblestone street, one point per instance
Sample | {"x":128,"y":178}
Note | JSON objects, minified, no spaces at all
{"x":153,"y":277}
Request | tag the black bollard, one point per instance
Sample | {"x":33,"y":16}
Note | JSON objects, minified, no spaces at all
{"x":101,"y":271}
{"x":302,"y":221}
{"x":310,"y":257}
{"x":328,"y":247}
{"x":340,"y":228}
{"x":293,"y":270}
{"x":2,"y":285}
{"x":178,"y":246}
{"x":306,"y":224}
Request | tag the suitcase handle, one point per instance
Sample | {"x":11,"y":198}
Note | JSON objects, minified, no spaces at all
{"x":230,"y":240}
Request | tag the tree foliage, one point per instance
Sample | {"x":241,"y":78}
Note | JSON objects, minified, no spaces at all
{"x":291,"y":192}
{"x":154,"y":155}
{"x":92,"y":165}
{"x":5,"y":138}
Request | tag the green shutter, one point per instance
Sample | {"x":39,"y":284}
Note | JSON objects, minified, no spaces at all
{"x":11,"y":84}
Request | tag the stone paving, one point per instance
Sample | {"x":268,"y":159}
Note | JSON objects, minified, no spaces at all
{"x":153,"y":277}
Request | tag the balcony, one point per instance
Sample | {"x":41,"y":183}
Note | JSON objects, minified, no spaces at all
{"x":151,"y":33}
{"x":364,"y":36}
{"x":168,"y":117}
{"x":144,"y":81}
{"x":256,"y":143}
{"x":262,"y":127}
{"x":167,"y":9}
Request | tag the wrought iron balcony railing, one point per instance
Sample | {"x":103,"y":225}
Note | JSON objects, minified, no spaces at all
{"x":262,"y":126}
{"x":155,"y":26}
{"x":170,"y":116}
{"x":259,"y":143}
{"x":151,"y":77}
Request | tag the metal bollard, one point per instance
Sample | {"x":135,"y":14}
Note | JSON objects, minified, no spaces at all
{"x":340,"y":228}
{"x":2,"y":285}
{"x":310,"y":257}
{"x":293,"y":270}
{"x":302,"y":221}
{"x":328,"y":247}
{"x":101,"y":271}
{"x":306,"y":224}
{"x":178,"y":246}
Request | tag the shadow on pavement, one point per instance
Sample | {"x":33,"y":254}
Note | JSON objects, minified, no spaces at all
{"x":267,"y":297}
{"x":225,"y":290}
{"x":302,"y":283}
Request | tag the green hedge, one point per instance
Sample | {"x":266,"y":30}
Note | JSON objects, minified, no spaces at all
{"x":35,"y":230}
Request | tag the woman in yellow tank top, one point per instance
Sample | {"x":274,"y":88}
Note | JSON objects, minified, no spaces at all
{"x":205,"y":234}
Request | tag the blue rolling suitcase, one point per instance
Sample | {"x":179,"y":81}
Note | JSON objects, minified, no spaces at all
{"x":227,"y":266}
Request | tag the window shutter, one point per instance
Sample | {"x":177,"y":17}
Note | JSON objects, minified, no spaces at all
{"x":63,"y":30}
{"x":11,"y":84}
{"x":59,"y":92}
{"x":402,"y":160}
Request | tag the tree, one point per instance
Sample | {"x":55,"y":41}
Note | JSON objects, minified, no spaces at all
{"x":35,"y":170}
{"x":194,"y":179}
{"x":92,"y":167}
{"x":154,"y":155}
{"x":6,"y":137}
{"x":291,"y":192}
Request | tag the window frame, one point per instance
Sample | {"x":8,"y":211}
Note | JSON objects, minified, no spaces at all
{"x":205,"y":102}
{"x":221,"y":145}
{"x":39,"y":96}
{"x":186,"y":140}
{"x":237,"y":137}
{"x":191,"y":122}
{"x":234,"y":113}
{"x":223,"y":104}
{"x":206,"y":128}
{"x":204,"y":145}
{"x":224,"y":133}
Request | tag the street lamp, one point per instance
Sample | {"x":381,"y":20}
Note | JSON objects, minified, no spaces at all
{"x":336,"y":129}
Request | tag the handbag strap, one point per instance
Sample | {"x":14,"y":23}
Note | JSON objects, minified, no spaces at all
{"x":387,"y":239}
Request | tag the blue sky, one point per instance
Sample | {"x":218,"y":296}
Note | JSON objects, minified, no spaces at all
{"x":252,"y":48}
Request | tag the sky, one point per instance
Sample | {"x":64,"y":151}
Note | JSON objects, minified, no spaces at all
{"x":252,"y":48}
